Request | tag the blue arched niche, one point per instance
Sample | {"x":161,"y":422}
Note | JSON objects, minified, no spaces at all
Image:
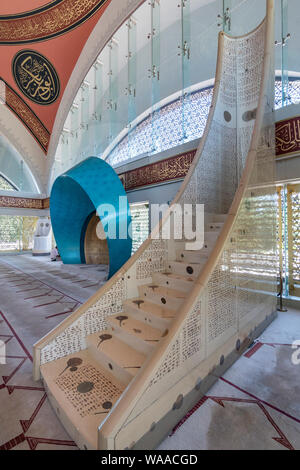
{"x":75,"y":197}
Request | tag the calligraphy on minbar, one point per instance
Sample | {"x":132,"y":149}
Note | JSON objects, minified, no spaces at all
{"x":171,"y":169}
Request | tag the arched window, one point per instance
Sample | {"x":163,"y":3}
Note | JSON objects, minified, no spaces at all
{"x":5,"y":185}
{"x":172,"y":125}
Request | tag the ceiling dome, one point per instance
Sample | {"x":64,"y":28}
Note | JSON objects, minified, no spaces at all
{"x":19,"y":6}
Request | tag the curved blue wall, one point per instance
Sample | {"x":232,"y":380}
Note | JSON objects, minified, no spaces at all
{"x":75,"y":196}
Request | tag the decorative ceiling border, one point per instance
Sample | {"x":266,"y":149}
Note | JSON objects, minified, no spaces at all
{"x":288,"y":137}
{"x":35,"y":11}
{"x":18,"y":106}
{"x":50,"y":21}
{"x":13,"y":202}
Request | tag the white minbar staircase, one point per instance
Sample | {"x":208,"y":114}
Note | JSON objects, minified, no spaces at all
{"x":100,"y":374}
{"x":130,"y":363}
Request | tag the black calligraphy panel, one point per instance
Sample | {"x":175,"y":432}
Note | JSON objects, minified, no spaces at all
{"x":288,"y":137}
{"x":36,"y":77}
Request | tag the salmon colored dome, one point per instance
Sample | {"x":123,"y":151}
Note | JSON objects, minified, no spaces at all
{"x":40,"y":45}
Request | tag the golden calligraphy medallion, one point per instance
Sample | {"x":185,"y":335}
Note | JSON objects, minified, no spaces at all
{"x":36,"y":77}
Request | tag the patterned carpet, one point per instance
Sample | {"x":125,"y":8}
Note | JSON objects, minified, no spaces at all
{"x":35,"y":296}
{"x":254,"y":406}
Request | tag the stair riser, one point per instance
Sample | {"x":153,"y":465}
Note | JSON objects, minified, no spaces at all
{"x":177,"y":284}
{"x":205,"y":251}
{"x":121,"y":374}
{"x":212,"y":218}
{"x":171,"y":303}
{"x":210,"y":238}
{"x":147,"y":318}
{"x":181,"y":269}
{"x":213,"y":227}
{"x":82,"y":443}
{"x":191,"y":257}
{"x":145,"y":347}
{"x":219,"y":218}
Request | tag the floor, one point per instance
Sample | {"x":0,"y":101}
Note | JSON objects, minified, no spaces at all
{"x":35,"y":296}
{"x":255,"y":405}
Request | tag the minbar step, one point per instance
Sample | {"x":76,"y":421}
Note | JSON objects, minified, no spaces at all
{"x":135,"y":333}
{"x":186,"y":269}
{"x":82,"y":394}
{"x":116,"y":356}
{"x":174,"y":281}
{"x":149,"y":313}
{"x":191,"y":256}
{"x":171,"y":298}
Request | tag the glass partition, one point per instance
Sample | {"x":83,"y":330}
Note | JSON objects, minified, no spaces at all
{"x":5,"y":185}
{"x":150,"y":88}
{"x":14,"y":169}
{"x":155,"y":72}
{"x":16,"y":233}
{"x":140,"y":224}
{"x":135,"y":76}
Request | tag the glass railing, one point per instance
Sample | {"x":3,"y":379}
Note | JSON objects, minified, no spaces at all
{"x":157,"y":57}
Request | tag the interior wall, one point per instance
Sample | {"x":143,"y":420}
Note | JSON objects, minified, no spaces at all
{"x":288,"y":169}
{"x":95,"y":250}
{"x":162,"y":194}
{"x":14,"y":168}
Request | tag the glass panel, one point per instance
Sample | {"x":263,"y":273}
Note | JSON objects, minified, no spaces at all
{"x":75,"y":129}
{"x":135,"y":88}
{"x":140,"y":224}
{"x":141,"y":137}
{"x":28,"y":231}
{"x":84,"y":150}
{"x":155,"y":71}
{"x":124,"y":72}
{"x":14,"y":169}
{"x":16,"y":233}
{"x":293,"y":227}
{"x":186,"y":61}
{"x":284,"y":232}
{"x":67,"y":159}
{"x":112,"y":103}
{"x":132,"y":79}
{"x":97,"y":118}
{"x":226,"y":17}
{"x":284,"y":53}
{"x":246,"y":15}
{"x":5,"y":185}
{"x":292,"y":27}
